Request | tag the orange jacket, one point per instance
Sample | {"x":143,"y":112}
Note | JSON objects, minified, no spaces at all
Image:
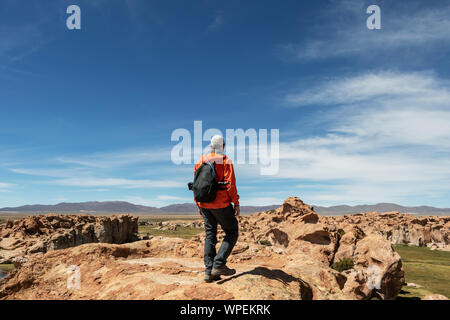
{"x":224,"y":169}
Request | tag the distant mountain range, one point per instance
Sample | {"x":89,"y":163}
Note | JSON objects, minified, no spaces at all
{"x":189,"y":208}
{"x":381,"y":207}
{"x":119,"y":207}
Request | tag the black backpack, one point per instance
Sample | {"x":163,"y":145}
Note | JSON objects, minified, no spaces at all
{"x":205,"y":185}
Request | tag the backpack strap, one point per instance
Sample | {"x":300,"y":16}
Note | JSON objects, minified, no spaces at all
{"x":212,"y":167}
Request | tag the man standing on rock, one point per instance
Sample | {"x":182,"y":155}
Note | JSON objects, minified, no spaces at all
{"x":215,"y":190}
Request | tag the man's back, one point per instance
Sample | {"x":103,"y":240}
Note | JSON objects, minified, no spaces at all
{"x":224,"y":172}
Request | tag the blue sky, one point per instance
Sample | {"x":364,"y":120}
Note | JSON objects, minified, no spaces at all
{"x":88,"y":114}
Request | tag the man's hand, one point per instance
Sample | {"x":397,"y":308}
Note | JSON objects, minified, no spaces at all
{"x":237,"y":210}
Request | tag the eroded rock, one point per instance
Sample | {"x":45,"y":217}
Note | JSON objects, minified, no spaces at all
{"x":42,"y":233}
{"x":287,"y":253}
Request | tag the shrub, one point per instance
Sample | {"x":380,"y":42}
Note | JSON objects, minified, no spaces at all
{"x":343,"y":264}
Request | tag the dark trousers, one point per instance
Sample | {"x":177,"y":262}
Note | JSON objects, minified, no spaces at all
{"x":227,"y":220}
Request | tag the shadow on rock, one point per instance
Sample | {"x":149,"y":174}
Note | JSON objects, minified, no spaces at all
{"x":305,"y":290}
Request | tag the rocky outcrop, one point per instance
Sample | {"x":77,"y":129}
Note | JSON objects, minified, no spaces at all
{"x":42,"y":233}
{"x":287,"y":253}
{"x":400,"y":228}
{"x":313,"y":244}
{"x":160,"y":268}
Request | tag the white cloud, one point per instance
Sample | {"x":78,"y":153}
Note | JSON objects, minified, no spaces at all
{"x":170,"y":197}
{"x":417,"y":88}
{"x":138,"y":200}
{"x":261,"y":201}
{"x":96,"y":170}
{"x":118,"y":182}
{"x":396,"y":108}
{"x":119,"y":158}
{"x":158,"y":201}
{"x":55,"y":173}
{"x":401,"y":28}
{"x":389,"y":140}
{"x":5,"y":187}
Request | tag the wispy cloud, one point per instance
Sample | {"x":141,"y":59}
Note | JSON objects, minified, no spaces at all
{"x":389,"y":139}
{"x":18,"y":41}
{"x":172,"y":198}
{"x":6,"y":187}
{"x":401,"y":28}
{"x":158,"y":201}
{"x":104,"y":170}
{"x":53,"y":172}
{"x":263,"y":201}
{"x":395,"y":108}
{"x":216,"y":23}
{"x":22,"y":38}
{"x":119,"y":158}
{"x":417,"y":88}
{"x":118,"y":182}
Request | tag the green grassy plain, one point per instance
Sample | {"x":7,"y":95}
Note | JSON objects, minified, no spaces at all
{"x":428,"y":268}
{"x":6,"y":217}
{"x":6,"y":267}
{"x":169,"y":217}
{"x":180,"y":232}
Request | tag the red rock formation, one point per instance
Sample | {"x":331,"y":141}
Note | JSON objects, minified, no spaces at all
{"x":42,"y":233}
{"x":287,"y":253}
{"x":400,"y":228}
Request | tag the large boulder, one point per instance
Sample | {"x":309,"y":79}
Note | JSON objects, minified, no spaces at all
{"x":377,"y":269}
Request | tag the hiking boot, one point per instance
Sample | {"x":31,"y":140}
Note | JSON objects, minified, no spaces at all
{"x":210,"y":278}
{"x":223,"y":271}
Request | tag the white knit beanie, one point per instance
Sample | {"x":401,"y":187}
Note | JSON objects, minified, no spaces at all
{"x":217,"y":144}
